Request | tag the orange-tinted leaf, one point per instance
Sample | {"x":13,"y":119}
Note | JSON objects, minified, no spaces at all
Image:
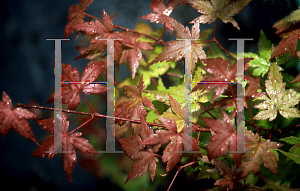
{"x":251,"y":161}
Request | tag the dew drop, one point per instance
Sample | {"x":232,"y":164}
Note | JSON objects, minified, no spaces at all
{"x":285,"y":49}
{"x":73,"y":158}
{"x":275,"y":100}
{"x":268,"y":151}
{"x":222,"y":149}
{"x":278,"y":144}
{"x":275,"y":80}
{"x":289,"y":95}
{"x":252,"y":96}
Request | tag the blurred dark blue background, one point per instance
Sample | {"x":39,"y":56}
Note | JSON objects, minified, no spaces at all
{"x":26,"y":71}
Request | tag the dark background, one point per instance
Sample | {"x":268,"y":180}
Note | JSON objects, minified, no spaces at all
{"x":26,"y":72}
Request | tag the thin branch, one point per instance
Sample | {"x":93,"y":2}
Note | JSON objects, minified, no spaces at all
{"x":90,"y":114}
{"x":87,"y":102}
{"x":181,"y":167}
{"x":81,"y":126}
{"x":206,"y":110}
{"x":216,"y":28}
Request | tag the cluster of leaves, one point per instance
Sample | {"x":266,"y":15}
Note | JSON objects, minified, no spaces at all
{"x":157,"y":115}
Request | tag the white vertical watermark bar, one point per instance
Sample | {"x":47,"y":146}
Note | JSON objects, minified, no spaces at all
{"x":110,"y":105}
{"x":57,"y":98}
{"x":240,"y":98}
{"x":187,"y":129}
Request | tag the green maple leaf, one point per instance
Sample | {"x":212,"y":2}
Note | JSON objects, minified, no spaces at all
{"x":261,"y":61}
{"x":222,"y":9}
{"x":278,"y":99}
{"x":294,"y":152}
{"x":178,"y":94}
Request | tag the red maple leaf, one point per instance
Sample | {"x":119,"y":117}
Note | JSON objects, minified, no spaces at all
{"x":221,"y":72}
{"x":175,"y":137}
{"x":250,"y":94}
{"x":134,"y":107}
{"x":232,"y":175}
{"x":76,"y":16}
{"x":68,"y":143}
{"x":143,"y":154}
{"x":176,"y":49}
{"x":101,"y":31}
{"x":288,"y":43}
{"x":134,"y":55}
{"x":70,"y":91}
{"x":225,"y":138}
{"x":15,"y":119}
{"x":161,"y":12}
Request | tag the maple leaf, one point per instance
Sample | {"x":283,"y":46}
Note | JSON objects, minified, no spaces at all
{"x":161,"y":12}
{"x":134,"y":55}
{"x":134,"y":107}
{"x":297,"y":79}
{"x":76,"y":16}
{"x":221,"y":71}
{"x":15,"y":119}
{"x":70,"y":91}
{"x":294,"y":151}
{"x":174,"y":136}
{"x":99,"y":31}
{"x":177,"y":93}
{"x":288,"y":23}
{"x":176,"y":49}
{"x":222,"y":9}
{"x":251,"y":161}
{"x":68,"y":143}
{"x":231,"y":176}
{"x":288,"y":43}
{"x":143,"y":154}
{"x":250,"y":94}
{"x":278,"y":99}
{"x":225,"y":138}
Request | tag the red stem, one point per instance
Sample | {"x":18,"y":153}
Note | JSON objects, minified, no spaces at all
{"x":206,"y":110}
{"x":87,"y":102}
{"x":91,"y":114}
{"x":81,"y":125}
{"x":188,"y":164}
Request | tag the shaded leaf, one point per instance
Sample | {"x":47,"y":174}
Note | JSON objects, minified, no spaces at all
{"x":67,"y":142}
{"x":222,"y":9}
